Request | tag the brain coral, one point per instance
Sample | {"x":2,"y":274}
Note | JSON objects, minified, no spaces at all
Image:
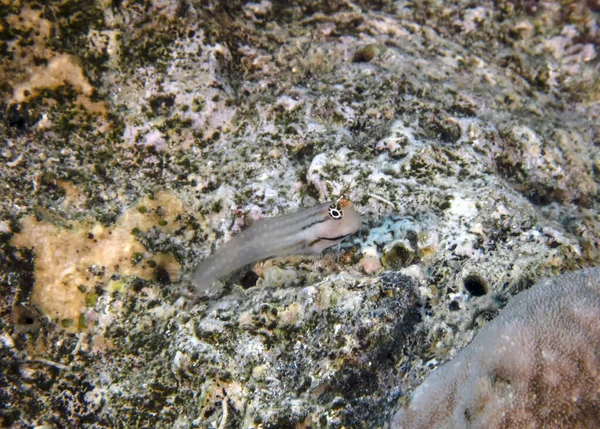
{"x":537,"y":365}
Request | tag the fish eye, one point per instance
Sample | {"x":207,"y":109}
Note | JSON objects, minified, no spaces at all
{"x":335,"y":212}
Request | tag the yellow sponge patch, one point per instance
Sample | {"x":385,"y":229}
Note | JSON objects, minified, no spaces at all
{"x":71,"y":261}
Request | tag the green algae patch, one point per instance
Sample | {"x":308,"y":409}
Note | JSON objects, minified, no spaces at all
{"x":118,"y":286}
{"x":91,"y":299}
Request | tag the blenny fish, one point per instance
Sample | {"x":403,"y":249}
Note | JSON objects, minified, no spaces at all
{"x":307,"y":231}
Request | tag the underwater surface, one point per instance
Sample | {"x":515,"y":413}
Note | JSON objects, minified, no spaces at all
{"x":137,"y":137}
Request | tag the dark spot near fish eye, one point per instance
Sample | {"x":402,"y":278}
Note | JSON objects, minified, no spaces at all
{"x":454,"y":306}
{"x":249,"y":280}
{"x":335,"y":213}
{"x":475,"y":285}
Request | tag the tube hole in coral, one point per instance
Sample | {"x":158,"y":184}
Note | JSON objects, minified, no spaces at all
{"x":397,"y":255}
{"x":475,"y":285}
{"x":249,"y":280}
{"x":25,"y":319}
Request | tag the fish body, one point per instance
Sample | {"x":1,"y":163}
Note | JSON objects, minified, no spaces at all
{"x":307,"y":231}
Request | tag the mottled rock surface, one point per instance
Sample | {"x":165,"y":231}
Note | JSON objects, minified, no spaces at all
{"x":137,"y":136}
